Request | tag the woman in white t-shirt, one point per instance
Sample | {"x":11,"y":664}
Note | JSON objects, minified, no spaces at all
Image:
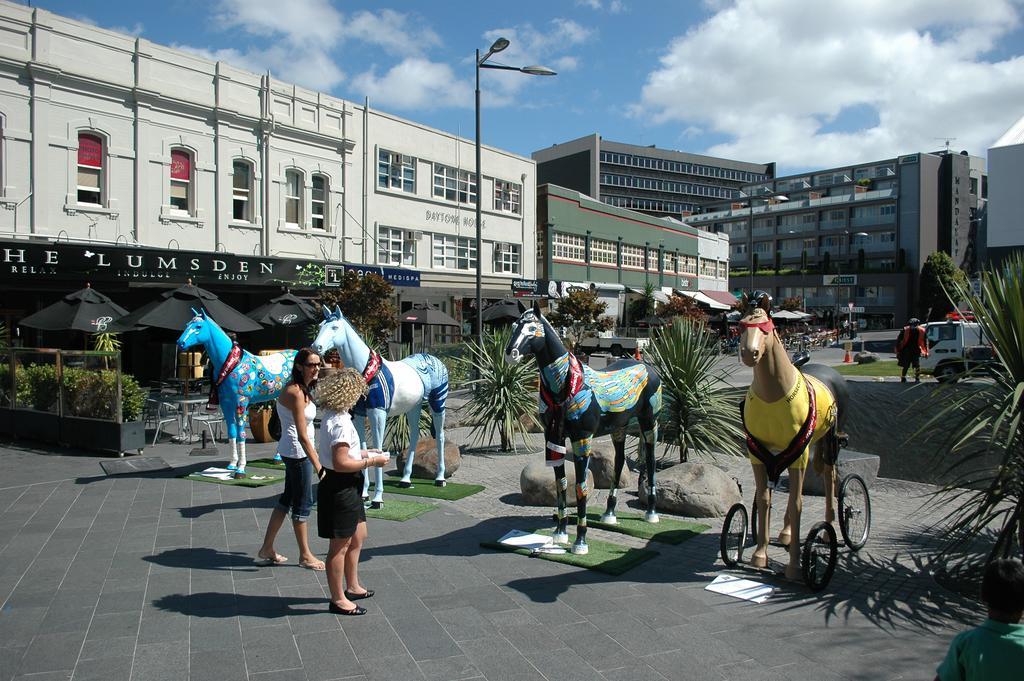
{"x":341,"y":517}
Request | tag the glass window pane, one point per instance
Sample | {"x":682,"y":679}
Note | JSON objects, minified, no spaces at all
{"x":179,"y":190}
{"x":89,"y":177}
{"x":291,"y":211}
{"x":240,"y":174}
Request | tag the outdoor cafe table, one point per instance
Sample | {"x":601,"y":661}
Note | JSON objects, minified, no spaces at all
{"x":184,"y":405}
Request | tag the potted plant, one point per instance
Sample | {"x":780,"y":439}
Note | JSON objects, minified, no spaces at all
{"x":90,"y":418}
{"x":263,"y":422}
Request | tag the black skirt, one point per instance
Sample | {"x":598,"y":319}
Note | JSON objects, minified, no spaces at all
{"x":339,"y":504}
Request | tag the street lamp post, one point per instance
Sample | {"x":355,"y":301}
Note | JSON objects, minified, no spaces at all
{"x":481,"y":63}
{"x":839,"y":272}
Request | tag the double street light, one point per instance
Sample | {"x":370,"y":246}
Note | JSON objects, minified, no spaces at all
{"x":481,"y":63}
{"x":839,"y":269}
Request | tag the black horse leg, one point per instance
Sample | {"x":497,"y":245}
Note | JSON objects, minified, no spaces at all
{"x":561,"y":485}
{"x":581,"y":456}
{"x":619,"y":442}
{"x":649,"y":438}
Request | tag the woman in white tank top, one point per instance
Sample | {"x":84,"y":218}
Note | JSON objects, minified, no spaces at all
{"x":296,"y":410}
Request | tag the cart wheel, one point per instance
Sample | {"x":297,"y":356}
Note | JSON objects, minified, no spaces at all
{"x":734,"y":535}
{"x":818,"y":560}
{"x":854,"y":512}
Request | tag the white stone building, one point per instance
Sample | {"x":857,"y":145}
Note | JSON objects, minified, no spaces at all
{"x":111,"y":139}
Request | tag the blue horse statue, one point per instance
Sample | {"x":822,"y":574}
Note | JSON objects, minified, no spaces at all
{"x":241,"y":378}
{"x":583,"y":403}
{"x":394,"y":388}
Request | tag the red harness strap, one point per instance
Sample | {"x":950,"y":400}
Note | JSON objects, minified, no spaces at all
{"x":776,"y":463}
{"x":372,"y":367}
{"x":229,"y":365}
{"x":554,"y":449}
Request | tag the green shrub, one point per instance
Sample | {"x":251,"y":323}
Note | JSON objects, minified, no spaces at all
{"x":37,"y":387}
{"x":87,"y":393}
{"x":451,"y":355}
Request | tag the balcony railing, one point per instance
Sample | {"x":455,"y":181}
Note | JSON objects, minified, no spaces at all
{"x":832,"y":224}
{"x":764,"y":231}
{"x":872,"y":220}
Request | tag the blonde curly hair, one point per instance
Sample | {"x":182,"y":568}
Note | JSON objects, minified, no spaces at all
{"x":340,"y":390}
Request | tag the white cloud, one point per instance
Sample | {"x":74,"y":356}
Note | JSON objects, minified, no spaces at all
{"x":392,"y":31}
{"x":298,"y":21}
{"x":415,"y":83}
{"x":614,"y":7}
{"x":772,"y":76}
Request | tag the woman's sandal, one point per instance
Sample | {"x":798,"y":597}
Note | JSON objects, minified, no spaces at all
{"x":338,"y":610}
{"x":358,"y":597}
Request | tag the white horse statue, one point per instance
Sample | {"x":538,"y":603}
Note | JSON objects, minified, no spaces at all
{"x":394,"y":388}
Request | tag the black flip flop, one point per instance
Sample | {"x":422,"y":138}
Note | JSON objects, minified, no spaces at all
{"x":358,"y":597}
{"x":336,"y":610}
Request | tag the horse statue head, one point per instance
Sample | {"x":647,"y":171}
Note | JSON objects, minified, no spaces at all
{"x":757,"y":331}
{"x":335,"y":332}
{"x":528,"y":335}
{"x":197,"y":331}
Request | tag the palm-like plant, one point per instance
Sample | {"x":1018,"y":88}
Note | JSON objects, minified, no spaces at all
{"x":505,"y":396}
{"x":700,"y":411}
{"x":985,"y":419}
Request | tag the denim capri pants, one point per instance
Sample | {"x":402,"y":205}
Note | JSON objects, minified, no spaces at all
{"x":298,"y":488}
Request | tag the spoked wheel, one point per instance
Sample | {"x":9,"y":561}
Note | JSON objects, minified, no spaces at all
{"x":734,"y":535}
{"x":854,"y":509}
{"x":818,"y":560}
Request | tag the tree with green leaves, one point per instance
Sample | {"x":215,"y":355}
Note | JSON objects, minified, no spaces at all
{"x":984,"y":450}
{"x":681,"y":307}
{"x":940,"y":279}
{"x":366,"y":301}
{"x":581,"y":314}
{"x":644,"y":306}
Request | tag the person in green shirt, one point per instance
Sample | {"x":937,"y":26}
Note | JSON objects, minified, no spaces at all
{"x":995,"y":650}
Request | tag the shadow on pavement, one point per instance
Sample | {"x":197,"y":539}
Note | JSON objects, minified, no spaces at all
{"x":204,"y":559}
{"x":220,"y":605}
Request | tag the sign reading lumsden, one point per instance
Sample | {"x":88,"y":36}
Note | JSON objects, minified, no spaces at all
{"x":22,"y":260}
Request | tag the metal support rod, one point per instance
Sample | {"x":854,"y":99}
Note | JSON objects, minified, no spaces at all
{"x":479,"y":219}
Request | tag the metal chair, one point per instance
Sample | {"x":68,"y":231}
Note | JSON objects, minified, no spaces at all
{"x":159,"y":414}
{"x":209,"y":419}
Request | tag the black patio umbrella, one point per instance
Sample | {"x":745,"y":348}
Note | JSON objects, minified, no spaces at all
{"x":507,"y":310}
{"x":286,"y":310}
{"x":176,"y":308}
{"x":423,"y":314}
{"x":84,"y":310}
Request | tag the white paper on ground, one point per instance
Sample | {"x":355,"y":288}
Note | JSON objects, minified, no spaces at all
{"x":537,"y":543}
{"x":737,"y":587}
{"x":218,"y":473}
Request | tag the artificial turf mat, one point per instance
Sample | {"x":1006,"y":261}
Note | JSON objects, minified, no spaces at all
{"x":453,"y":491}
{"x":605,"y":557}
{"x":252,"y":480}
{"x":266,"y":463}
{"x":666,"y":531}
{"x":400,"y":510}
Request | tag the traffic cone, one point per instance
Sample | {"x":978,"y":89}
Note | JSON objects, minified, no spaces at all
{"x":637,"y":355}
{"x":847,"y":359}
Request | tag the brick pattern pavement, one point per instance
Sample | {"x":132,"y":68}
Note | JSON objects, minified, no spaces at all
{"x":151,"y":578}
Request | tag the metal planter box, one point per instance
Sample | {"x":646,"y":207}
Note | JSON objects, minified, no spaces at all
{"x":103,"y":435}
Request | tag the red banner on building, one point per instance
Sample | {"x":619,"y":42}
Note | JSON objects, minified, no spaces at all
{"x":181,"y":166}
{"x":90,"y":151}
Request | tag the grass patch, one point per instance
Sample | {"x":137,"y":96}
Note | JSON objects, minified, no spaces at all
{"x":667,"y":531}
{"x":252,"y":480}
{"x":605,"y":557}
{"x":882,"y":368}
{"x":266,"y":463}
{"x":425,"y":488}
{"x":400,"y":510}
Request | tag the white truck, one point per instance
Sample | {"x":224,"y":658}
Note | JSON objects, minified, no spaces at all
{"x":953,"y":348}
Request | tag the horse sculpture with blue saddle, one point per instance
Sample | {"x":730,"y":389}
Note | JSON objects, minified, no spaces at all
{"x":394,"y":388}
{"x":240,"y":377}
{"x":582,"y":403}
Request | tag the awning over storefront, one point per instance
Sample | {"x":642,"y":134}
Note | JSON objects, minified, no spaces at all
{"x":659,"y":295}
{"x":704,"y":300}
{"x":722,"y":297}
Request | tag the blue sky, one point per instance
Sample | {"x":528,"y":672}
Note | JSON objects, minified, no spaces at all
{"x":806,"y":84}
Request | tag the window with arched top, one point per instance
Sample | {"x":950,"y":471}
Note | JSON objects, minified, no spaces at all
{"x":90,"y":169}
{"x":242,"y":205}
{"x":318,"y":203}
{"x":182,"y":181}
{"x":293,"y":198}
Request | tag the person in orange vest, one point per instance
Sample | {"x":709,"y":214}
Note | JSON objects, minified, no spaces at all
{"x":911,"y":345}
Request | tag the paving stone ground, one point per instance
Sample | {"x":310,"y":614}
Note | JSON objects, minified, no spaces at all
{"x":151,"y":578}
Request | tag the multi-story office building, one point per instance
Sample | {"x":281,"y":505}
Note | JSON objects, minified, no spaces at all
{"x":657,"y":182}
{"x":169,"y":167}
{"x":874,"y":222}
{"x":617,"y":252}
{"x":1005,"y":219}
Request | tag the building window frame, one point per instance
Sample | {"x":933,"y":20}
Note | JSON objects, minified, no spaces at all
{"x":394,"y":247}
{"x":293,"y":190}
{"x":454,"y":184}
{"x":508,"y":197}
{"x":182,"y":194}
{"x":396,"y":171}
{"x":92,"y":160}
{"x":570,"y":247}
{"x":507,"y":258}
{"x":454,"y":252}
{"x":603,"y":252}
{"x":319,"y":201}
{"x":243,"y":185}
{"x":632,"y":257}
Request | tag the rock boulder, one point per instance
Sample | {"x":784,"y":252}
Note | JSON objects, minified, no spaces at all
{"x":602,"y":465}
{"x":425,"y":463}
{"x":696,"y":490}
{"x":537,"y":483}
